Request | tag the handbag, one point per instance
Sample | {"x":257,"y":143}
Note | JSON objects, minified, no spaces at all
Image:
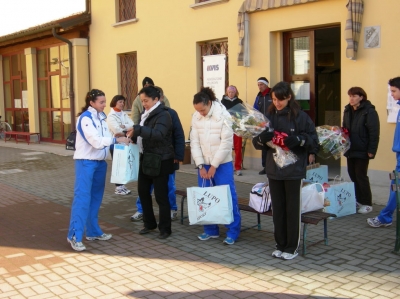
{"x":125,"y":164}
{"x":311,"y":198}
{"x":210,"y":205}
{"x":151,"y":164}
{"x":260,"y":198}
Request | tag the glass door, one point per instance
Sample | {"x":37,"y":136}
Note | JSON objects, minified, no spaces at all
{"x":299,"y":68}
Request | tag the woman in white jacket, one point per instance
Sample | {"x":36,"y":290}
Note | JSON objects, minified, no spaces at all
{"x":211,"y":146}
{"x":93,"y":140}
{"x":118,"y":122}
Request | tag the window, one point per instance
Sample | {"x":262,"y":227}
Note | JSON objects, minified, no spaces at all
{"x":128,"y":77}
{"x":127,"y":10}
{"x":214,"y":48}
{"x":15,"y":96}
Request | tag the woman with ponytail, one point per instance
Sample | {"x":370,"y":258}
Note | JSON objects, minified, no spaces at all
{"x":93,"y":140}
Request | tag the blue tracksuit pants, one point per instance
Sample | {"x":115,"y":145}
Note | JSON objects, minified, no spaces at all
{"x":171,"y":194}
{"x":386,"y":214}
{"x":90,"y":178}
{"x":224,"y":176}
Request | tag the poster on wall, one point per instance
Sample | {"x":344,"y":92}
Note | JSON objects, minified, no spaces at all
{"x":214,"y":73}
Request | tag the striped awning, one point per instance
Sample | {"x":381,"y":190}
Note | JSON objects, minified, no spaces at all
{"x":355,"y":10}
{"x":247,"y":7}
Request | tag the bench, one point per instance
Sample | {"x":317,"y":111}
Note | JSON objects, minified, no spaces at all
{"x":27,"y":135}
{"x":306,"y":218}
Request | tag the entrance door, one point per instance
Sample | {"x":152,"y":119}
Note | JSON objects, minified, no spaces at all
{"x":312,"y":66}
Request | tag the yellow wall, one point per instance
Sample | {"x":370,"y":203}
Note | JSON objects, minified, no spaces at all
{"x":166,"y":34}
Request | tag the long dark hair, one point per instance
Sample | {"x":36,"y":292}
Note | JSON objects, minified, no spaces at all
{"x":205,"y":96}
{"x":282,"y":91}
{"x":91,"y":96}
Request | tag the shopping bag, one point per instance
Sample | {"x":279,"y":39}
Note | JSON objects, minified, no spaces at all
{"x":341,"y":199}
{"x":312,"y":197}
{"x":210,"y":205}
{"x":260,"y":198}
{"x":317,"y":173}
{"x":125,"y":164}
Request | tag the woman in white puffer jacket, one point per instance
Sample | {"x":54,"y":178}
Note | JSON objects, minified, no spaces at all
{"x":211,"y":147}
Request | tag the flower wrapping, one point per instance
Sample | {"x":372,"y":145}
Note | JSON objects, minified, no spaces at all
{"x":334,"y":141}
{"x":246,"y":121}
{"x":283,"y":156}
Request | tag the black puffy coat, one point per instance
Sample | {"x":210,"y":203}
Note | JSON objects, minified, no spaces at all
{"x":156,"y":133}
{"x":363,"y":126}
{"x":301,"y":125}
{"x":178,"y":136}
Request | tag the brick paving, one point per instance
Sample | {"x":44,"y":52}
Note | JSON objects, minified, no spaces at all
{"x":37,"y":262}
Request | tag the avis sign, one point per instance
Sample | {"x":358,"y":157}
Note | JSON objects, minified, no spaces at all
{"x":214,"y":73}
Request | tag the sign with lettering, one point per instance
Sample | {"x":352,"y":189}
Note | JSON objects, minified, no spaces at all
{"x":214,"y":73}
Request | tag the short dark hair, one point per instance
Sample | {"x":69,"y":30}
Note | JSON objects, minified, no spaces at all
{"x":117,"y":98}
{"x":151,"y":92}
{"x":205,"y":96}
{"x":395,"y":82}
{"x":357,"y":91}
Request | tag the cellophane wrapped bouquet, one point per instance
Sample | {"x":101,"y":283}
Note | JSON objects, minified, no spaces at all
{"x":334,"y":141}
{"x":246,"y":121}
{"x":283,"y":156}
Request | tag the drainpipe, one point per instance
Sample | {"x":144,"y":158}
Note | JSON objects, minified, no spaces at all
{"x":71,"y":76}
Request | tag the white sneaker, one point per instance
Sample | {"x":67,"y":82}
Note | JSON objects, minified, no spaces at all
{"x":103,"y":237}
{"x":374,"y":222}
{"x":137,"y":216}
{"x":78,"y":246}
{"x":126,"y":189}
{"x":364,"y":209}
{"x":289,"y":256}
{"x":238,"y":172}
{"x":121,"y":190}
{"x":277,"y":253}
{"x":174,"y":215}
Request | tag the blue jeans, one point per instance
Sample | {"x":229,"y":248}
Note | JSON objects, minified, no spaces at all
{"x":171,"y":194}
{"x":386,"y":214}
{"x":90,"y":179}
{"x":224,"y":176}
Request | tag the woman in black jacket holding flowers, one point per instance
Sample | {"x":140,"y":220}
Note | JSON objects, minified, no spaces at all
{"x":286,"y":117}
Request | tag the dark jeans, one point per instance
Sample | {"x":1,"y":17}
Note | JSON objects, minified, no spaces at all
{"x":161,"y":194}
{"x":358,"y":170}
{"x":285,"y":196}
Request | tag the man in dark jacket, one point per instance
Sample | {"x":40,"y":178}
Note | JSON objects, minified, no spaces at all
{"x":178,"y":142}
{"x":362,"y":122}
{"x":262,"y":102}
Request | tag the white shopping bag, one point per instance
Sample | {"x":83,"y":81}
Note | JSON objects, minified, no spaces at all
{"x":260,"y":198}
{"x":312,"y":197}
{"x":317,"y":173}
{"x":125,"y":164}
{"x":210,"y":205}
{"x":341,"y":199}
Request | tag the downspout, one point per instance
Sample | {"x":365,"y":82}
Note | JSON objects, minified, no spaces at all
{"x":71,"y":77}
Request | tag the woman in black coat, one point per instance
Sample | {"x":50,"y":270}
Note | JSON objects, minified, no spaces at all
{"x":286,"y":116}
{"x":361,"y":120}
{"x":154,"y":140}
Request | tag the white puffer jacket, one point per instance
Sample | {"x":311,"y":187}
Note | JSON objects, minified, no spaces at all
{"x":114,"y":121}
{"x":98,"y":137}
{"x":211,"y":138}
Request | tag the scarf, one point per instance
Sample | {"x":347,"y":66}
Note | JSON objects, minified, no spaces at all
{"x":146,"y":113}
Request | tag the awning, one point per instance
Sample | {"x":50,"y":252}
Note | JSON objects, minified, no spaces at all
{"x":247,"y":7}
{"x":355,"y":10}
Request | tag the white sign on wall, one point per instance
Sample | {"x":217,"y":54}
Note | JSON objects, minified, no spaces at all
{"x":214,"y":73}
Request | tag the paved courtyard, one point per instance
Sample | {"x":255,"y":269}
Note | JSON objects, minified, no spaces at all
{"x":36,"y":189}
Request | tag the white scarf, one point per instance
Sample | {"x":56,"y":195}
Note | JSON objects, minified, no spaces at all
{"x":142,"y":119}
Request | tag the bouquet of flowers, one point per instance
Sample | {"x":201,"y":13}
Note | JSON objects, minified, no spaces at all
{"x":246,"y":121}
{"x":282,"y":156}
{"x":334,"y":141}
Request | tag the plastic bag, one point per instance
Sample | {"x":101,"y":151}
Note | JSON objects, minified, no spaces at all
{"x":334,"y":141}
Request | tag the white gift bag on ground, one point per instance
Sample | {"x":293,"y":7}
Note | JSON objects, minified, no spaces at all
{"x":125,"y":164}
{"x":210,"y":205}
{"x":260,"y":198}
{"x":312,"y":197}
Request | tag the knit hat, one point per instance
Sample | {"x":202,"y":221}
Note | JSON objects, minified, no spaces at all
{"x":147,"y":80}
{"x":263,"y":80}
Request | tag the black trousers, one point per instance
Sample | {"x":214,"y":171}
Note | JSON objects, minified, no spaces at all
{"x":263,"y":157}
{"x":160,"y":184}
{"x":286,"y":213}
{"x":358,"y":170}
